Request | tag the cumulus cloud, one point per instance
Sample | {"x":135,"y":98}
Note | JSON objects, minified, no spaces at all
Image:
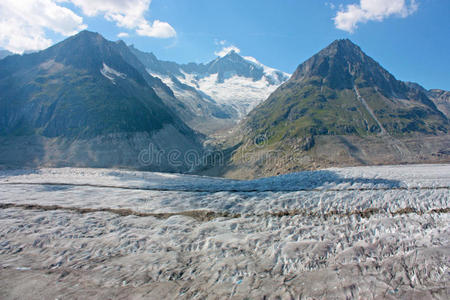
{"x":157,"y":29}
{"x":123,"y":34}
{"x":225,"y":50}
{"x":23,"y":23}
{"x":347,"y":18}
{"x":127,"y":14}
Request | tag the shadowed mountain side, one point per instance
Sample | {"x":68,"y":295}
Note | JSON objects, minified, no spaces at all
{"x":85,"y":101}
{"x":122,"y":150}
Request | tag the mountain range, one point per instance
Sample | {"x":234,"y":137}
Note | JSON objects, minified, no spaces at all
{"x":217,"y":94}
{"x":87,"y":101}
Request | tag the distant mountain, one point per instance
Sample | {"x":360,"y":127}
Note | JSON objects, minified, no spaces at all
{"x":5,"y":53}
{"x":194,"y":107}
{"x":440,"y":98}
{"x":231,"y":85}
{"x":91,"y":100}
{"x":340,"y":107}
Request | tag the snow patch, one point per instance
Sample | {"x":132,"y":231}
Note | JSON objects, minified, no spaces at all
{"x":110,"y":73}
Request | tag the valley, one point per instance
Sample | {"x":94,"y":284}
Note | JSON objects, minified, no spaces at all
{"x":125,"y":176}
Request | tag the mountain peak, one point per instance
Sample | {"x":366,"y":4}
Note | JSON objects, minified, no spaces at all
{"x":341,"y":64}
{"x":86,"y":35}
{"x":81,"y":40}
{"x":345,"y":43}
{"x":343,"y":48}
{"x":232,"y":55}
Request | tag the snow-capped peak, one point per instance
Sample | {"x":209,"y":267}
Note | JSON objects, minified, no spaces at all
{"x":230,"y":80}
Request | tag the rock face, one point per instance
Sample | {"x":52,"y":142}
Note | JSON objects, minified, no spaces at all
{"x":218,"y":93}
{"x":442,"y":100}
{"x":351,"y":106}
{"x":80,"y":91}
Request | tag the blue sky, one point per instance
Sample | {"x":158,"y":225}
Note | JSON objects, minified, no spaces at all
{"x":411,"y":39}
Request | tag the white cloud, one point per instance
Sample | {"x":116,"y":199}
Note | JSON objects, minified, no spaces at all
{"x":158,"y":29}
{"x":225,"y":50}
{"x":123,"y":34}
{"x":23,"y":23}
{"x":127,"y":14}
{"x":372,"y":10}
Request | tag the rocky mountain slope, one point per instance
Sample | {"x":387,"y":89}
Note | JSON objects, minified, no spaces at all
{"x":340,"y":107}
{"x":84,"y":101}
{"x":442,"y":100}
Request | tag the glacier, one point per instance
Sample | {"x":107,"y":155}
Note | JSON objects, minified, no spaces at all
{"x":361,"y":232}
